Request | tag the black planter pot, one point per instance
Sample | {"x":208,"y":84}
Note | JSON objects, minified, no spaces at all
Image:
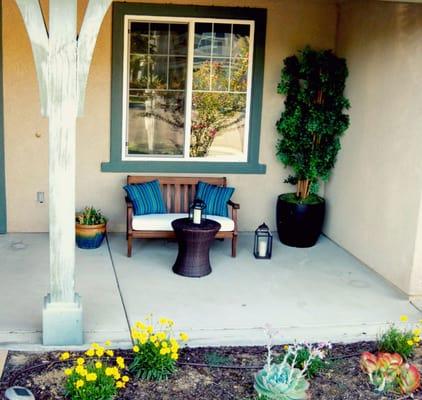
{"x":299,"y":225}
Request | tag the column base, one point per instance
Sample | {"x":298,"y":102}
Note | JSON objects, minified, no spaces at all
{"x":62,"y":322}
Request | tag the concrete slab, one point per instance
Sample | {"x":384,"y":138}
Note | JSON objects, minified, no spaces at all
{"x":24,"y":282}
{"x":321,"y":293}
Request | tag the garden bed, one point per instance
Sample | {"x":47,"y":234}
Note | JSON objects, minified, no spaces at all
{"x":207,"y":373}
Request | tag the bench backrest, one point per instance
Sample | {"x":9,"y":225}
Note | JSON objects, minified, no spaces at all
{"x":178,"y":191}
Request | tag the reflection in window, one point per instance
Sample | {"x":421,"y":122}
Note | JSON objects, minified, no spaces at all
{"x":158,"y":100}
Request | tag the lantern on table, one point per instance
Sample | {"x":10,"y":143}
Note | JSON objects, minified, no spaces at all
{"x":197,"y":211}
{"x":263,"y":242}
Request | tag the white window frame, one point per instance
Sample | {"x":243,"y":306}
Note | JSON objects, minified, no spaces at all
{"x":189,"y":92}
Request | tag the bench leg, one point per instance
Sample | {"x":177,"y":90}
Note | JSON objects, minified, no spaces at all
{"x":234,"y":245}
{"x":129,"y":246}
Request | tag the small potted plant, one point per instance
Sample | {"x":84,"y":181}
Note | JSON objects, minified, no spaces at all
{"x":310,"y":128}
{"x":90,"y":228}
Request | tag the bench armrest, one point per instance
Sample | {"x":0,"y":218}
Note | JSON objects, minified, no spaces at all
{"x":129,"y":216}
{"x":129,"y":203}
{"x":235,"y":206}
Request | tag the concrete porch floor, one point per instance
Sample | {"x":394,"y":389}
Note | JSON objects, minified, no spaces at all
{"x":321,"y":293}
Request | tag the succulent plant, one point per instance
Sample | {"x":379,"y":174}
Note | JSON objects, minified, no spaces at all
{"x":388,"y":373}
{"x":281,"y":382}
{"x":90,"y":216}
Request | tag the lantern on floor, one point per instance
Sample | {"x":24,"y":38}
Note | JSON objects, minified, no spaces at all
{"x":263,"y":242}
{"x":197,"y":211}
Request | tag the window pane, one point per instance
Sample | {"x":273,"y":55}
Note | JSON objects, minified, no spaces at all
{"x":139,"y":37}
{"x":240,"y":46}
{"x":203,"y":39}
{"x":201,"y":73}
{"x":220,"y":74}
{"x":222,"y":40}
{"x":158,"y":72}
{"x":177,"y":72}
{"x":138,"y":71}
{"x":156,"y":123}
{"x":218,"y":124}
{"x":178,"y":39}
{"x":239,"y":75}
{"x":159,"y":39}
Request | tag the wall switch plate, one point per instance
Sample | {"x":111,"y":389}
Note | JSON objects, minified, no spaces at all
{"x":40,"y":197}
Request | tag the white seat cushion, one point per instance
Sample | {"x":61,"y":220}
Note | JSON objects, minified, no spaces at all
{"x":162,"y":222}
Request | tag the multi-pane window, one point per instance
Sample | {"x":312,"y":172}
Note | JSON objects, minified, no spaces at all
{"x":186,"y":89}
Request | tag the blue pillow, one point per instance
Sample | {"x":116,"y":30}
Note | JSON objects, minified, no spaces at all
{"x":215,"y":197}
{"x":146,"y":198}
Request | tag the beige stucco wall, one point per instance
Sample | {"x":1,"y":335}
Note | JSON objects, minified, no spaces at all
{"x":291,"y":25}
{"x":374,"y":195}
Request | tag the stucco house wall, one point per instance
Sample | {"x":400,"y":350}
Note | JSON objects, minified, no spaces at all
{"x":374,"y":195}
{"x":291,"y":25}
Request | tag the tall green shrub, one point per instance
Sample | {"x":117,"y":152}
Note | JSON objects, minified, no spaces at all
{"x":313,"y":121}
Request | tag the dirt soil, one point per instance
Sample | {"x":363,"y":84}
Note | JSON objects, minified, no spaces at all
{"x":43,"y":374}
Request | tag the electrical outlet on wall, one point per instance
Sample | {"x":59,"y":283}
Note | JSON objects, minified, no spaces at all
{"x":40,"y":197}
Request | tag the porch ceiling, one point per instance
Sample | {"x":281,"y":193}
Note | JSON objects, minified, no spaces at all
{"x":322,"y":293}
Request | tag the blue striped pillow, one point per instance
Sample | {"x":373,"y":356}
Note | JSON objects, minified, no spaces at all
{"x":215,"y":197}
{"x":146,"y":198}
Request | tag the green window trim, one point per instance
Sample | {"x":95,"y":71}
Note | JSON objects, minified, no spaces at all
{"x":252,"y":166}
{"x":3,"y":222}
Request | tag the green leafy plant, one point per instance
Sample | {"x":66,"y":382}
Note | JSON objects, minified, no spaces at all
{"x":90,"y":216}
{"x":96,"y":376}
{"x":401,"y":339}
{"x":214,"y":358}
{"x":313,"y":120}
{"x":155,"y":349}
{"x":388,"y":373}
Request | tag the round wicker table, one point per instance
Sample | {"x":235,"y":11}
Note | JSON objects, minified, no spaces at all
{"x":194,"y":240}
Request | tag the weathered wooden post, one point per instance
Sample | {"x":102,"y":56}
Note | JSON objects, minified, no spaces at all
{"x":62,"y":62}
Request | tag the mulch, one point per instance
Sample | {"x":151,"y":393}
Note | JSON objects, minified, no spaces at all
{"x":209,"y":374}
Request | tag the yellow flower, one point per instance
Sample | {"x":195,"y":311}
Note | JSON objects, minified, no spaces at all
{"x":410,"y":342}
{"x":184,"y":336}
{"x":116,"y":376}
{"x":125,"y":379}
{"x":163,"y":351}
{"x":416,"y":331}
{"x":100,"y":352}
{"x":65,"y":356}
{"x":95,"y":345}
{"x":98,"y":364}
{"x":153,"y":338}
{"x":109,"y":371}
{"x":68,"y":371}
{"x":120,"y":384}
{"x":164,"y":344}
{"x":404,"y":318}
{"x":92,"y":377}
{"x":80,"y":361}
{"x":417,"y":339}
{"x":107,"y":343}
{"x":110,"y":353}
{"x":136,"y":349}
{"x":174,"y":356}
{"x":149,"y":329}
{"x":170,"y":322}
{"x":161,"y":335}
{"x":162,"y":321}
{"x":79,"y":383}
{"x":140,"y":325}
{"x":90,"y":353}
{"x":120,"y":362}
{"x":286,"y":347}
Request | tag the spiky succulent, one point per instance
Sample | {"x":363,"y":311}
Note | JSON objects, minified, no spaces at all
{"x":281,"y":382}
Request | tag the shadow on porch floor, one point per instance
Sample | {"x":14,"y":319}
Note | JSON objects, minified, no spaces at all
{"x":321,"y":293}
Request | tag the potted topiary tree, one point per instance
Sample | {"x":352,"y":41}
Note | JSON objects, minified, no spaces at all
{"x":90,"y":228}
{"x":310,"y":128}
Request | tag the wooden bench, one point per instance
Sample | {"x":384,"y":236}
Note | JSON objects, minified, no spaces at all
{"x":178,"y":194}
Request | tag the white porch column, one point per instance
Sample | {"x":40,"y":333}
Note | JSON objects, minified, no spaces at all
{"x":62,"y":62}
{"x":62,"y":314}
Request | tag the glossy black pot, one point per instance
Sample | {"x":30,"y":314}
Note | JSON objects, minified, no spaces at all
{"x":299,"y":225}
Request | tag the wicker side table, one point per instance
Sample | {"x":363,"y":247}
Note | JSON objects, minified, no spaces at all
{"x":193,"y":258}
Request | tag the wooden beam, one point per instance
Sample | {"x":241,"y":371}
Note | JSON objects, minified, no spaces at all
{"x":35,"y":26}
{"x":94,"y":16}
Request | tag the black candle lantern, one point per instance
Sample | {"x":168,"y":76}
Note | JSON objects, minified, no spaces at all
{"x":197,"y":211}
{"x":263,"y":242}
